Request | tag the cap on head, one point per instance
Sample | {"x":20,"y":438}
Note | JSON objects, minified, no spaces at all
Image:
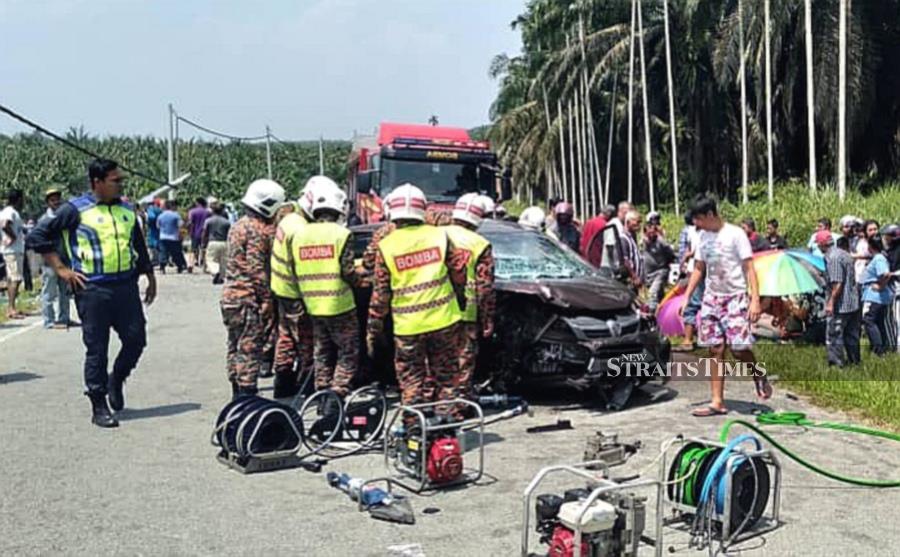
{"x":52,"y":191}
{"x":470,"y":209}
{"x":848,"y":220}
{"x":824,"y":238}
{"x":407,"y":202}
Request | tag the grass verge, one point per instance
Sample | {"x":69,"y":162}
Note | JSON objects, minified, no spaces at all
{"x":870,"y":390}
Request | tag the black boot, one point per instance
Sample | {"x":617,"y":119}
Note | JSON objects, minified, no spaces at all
{"x":101,"y":415}
{"x":116,"y":395}
{"x":285,"y":386}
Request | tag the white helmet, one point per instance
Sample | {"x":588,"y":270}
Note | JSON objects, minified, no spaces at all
{"x":470,"y":208}
{"x":264,"y":196}
{"x":848,"y":220}
{"x":328,"y":196}
{"x":489,"y":206}
{"x":407,"y":202}
{"x":532,"y":218}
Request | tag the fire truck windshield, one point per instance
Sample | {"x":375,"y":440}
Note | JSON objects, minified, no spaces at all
{"x":441,"y":182}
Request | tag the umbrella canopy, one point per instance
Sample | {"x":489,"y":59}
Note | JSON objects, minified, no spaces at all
{"x":667,"y":317}
{"x":782,"y":273}
{"x":816,"y":261}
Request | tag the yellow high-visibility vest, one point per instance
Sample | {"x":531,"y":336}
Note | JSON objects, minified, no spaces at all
{"x":474,"y":244}
{"x":422,"y":296}
{"x":283,"y":282}
{"x":317,"y":257}
{"x":101,"y":247}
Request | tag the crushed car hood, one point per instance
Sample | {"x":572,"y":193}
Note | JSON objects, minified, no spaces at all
{"x":592,"y":294}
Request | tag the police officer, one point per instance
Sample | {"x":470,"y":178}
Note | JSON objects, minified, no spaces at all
{"x":105,"y":253}
{"x":414,"y":281}
{"x":478,"y":317}
{"x":323,"y":256}
{"x":247,"y":302}
{"x":294,"y":333}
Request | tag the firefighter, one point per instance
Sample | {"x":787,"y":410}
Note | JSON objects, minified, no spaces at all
{"x":105,"y":253}
{"x":478,"y":316}
{"x":368,"y":258}
{"x":248,"y":307}
{"x":294,"y":337}
{"x":415,"y":281}
{"x":323,"y":256}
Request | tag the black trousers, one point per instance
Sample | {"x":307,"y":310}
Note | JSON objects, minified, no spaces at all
{"x":102,"y":307}
{"x":173,"y":249}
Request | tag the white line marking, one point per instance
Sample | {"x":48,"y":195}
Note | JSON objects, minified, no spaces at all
{"x":20,"y":331}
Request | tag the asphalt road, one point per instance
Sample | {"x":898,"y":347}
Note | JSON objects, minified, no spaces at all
{"x":154,"y":487}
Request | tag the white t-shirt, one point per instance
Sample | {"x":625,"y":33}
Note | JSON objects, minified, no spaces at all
{"x":723,"y":252}
{"x":693,"y":244}
{"x":620,"y":227}
{"x":862,"y":248}
{"x":8,"y":246}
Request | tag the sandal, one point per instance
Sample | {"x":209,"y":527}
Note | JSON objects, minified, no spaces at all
{"x":708,"y":412}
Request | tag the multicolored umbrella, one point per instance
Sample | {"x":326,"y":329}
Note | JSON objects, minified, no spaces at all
{"x":667,"y":317}
{"x":782,"y":273}
{"x":816,"y":261}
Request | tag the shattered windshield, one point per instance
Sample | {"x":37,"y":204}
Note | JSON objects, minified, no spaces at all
{"x":530,"y":256}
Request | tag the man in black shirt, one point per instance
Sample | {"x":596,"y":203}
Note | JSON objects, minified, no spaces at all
{"x":658,"y":255}
{"x":775,"y":240}
{"x":215,"y":240}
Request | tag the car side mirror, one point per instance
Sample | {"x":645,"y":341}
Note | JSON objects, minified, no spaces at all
{"x":366,"y":181}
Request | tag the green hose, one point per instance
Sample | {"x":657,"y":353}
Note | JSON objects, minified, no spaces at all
{"x":799,"y":419}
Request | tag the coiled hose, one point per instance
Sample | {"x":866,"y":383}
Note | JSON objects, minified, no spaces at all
{"x":800,"y":419}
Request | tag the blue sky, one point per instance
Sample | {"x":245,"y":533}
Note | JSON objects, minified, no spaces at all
{"x":304,"y":66}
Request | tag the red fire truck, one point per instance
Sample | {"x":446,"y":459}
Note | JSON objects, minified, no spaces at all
{"x":443,"y":162}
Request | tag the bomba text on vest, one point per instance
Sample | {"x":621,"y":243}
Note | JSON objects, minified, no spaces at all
{"x":317,"y":252}
{"x":417,"y":259}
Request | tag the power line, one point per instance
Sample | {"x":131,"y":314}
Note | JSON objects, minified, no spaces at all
{"x":217,"y":133}
{"x":11,"y":113}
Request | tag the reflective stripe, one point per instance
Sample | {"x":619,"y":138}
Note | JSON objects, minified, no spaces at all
{"x":426,"y":306}
{"x":422,"y":287}
{"x":325,"y":293}
{"x":319,"y":276}
{"x":279,"y":259}
{"x":285,"y":278}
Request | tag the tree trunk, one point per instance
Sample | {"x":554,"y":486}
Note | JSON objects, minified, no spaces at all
{"x":745,"y":163}
{"x":810,"y":97}
{"x":646,"y":111}
{"x":842,"y":101}
{"x":671,"y":87}
{"x":768,"y":54}
{"x":631,"y":103}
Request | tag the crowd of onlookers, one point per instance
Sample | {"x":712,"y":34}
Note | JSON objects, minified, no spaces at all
{"x":858,"y":270}
{"x":203,"y":230}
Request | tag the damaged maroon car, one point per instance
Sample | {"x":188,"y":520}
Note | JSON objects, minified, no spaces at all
{"x":558,"y":320}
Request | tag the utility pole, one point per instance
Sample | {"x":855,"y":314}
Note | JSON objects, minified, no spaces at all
{"x":842,"y":101}
{"x":321,"y":157}
{"x":745,"y":169}
{"x":170,"y":144}
{"x":646,"y":110}
{"x":810,"y":97}
{"x":674,"y":145}
{"x":269,"y":151}
{"x":769,"y":105}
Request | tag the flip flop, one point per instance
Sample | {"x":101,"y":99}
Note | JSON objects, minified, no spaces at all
{"x":708,"y":412}
{"x":763,"y":389}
